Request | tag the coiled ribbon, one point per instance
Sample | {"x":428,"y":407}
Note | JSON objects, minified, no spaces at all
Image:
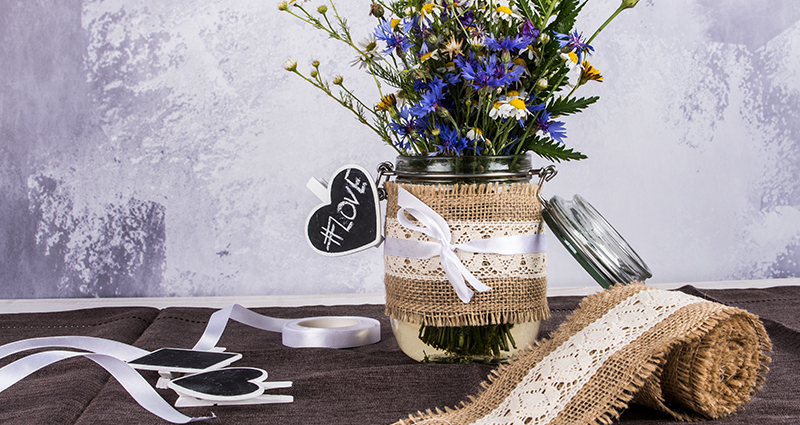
{"x":321,"y":332}
{"x":437,"y":229}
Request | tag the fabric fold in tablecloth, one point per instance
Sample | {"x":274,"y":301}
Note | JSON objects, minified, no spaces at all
{"x":680,"y":354}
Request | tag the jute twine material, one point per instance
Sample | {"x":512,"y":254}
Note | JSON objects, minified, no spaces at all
{"x":513,"y":299}
{"x":704,"y":361}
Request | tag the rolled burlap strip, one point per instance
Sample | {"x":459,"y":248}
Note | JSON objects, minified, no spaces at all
{"x":677,"y":353}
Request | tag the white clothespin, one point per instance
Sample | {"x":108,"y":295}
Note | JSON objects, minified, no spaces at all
{"x":229,"y":386}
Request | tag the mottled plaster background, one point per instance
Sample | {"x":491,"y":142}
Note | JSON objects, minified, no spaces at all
{"x":160,"y":149}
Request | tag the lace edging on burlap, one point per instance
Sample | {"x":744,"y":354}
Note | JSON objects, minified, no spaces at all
{"x":688,"y":343}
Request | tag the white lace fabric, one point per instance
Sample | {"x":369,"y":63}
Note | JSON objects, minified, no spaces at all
{"x":552,"y":383}
{"x":482,"y":266}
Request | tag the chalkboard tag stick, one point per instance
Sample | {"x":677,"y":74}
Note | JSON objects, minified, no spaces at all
{"x":319,"y":187}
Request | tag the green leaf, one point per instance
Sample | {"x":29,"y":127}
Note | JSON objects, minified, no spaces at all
{"x":525,"y":8}
{"x":563,"y":106}
{"x":552,"y":150}
{"x":567,"y":13}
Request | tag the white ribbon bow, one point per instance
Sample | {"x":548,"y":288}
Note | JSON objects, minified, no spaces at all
{"x":436,"y":228}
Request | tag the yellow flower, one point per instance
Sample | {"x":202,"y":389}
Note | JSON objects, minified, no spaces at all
{"x":517,"y":103}
{"x":394,"y":23}
{"x":590,"y":73}
{"x":573,"y":57}
{"x":434,"y":54}
{"x":511,"y":106}
{"x":504,"y":9}
{"x":505,"y":13}
{"x":387,"y":103}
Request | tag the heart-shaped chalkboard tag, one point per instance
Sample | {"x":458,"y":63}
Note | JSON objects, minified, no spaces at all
{"x":348,"y":220}
{"x":231,"y":384}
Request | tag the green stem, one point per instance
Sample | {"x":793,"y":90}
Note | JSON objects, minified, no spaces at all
{"x":318,"y":84}
{"x":611,"y":18}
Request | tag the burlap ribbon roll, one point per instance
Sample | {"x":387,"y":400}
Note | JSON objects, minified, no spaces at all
{"x":418,"y":291}
{"x":674,"y":352}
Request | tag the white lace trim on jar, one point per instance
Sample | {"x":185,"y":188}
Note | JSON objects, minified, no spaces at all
{"x":481,"y":265}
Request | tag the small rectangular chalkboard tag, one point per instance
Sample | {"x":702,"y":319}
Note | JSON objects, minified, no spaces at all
{"x":184,"y":361}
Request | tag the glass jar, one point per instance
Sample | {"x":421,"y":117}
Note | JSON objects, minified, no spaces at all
{"x":496,"y":340}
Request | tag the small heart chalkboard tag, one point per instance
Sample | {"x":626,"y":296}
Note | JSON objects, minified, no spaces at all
{"x":239,"y":383}
{"x":348,"y":220}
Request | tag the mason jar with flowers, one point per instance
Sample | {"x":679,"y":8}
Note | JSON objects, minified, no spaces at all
{"x":468,"y":90}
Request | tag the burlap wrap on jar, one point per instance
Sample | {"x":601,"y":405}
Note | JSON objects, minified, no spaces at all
{"x":418,"y":291}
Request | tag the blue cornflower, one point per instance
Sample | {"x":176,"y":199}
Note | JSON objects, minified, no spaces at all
{"x":573,"y":42}
{"x":508,"y":44}
{"x":394,"y":41}
{"x":411,"y":24}
{"x":536,"y":107}
{"x":423,"y":124}
{"x":488,"y":73}
{"x":530,"y":31}
{"x":451,"y":142}
{"x":453,"y":79}
{"x":555,"y":129}
{"x":431,"y":99}
{"x":437,"y":85}
{"x":507,"y":73}
{"x":467,"y":18}
{"x":405,"y":127}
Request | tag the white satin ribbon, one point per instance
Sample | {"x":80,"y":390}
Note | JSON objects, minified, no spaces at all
{"x":321,"y":332}
{"x":437,"y":229}
{"x":326,"y":332}
{"x":108,"y":347}
{"x":128,"y":377}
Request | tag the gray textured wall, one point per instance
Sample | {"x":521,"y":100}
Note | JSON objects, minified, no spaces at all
{"x":159,"y":148}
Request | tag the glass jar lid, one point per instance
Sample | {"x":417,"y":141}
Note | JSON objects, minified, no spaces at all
{"x":593,"y":242}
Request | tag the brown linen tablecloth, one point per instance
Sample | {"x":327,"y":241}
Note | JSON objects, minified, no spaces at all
{"x":376,"y":384}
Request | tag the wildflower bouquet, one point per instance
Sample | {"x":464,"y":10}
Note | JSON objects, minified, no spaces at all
{"x":465,"y":77}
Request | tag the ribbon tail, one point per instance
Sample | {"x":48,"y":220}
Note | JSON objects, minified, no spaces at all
{"x":453,"y":259}
{"x":130,"y":379}
{"x":475,"y":283}
{"x":109,"y":347}
{"x":455,"y":276}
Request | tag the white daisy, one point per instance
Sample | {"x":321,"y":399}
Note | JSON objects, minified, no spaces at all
{"x":511,"y":106}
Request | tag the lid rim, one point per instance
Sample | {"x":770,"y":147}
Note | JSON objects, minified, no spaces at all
{"x":607,"y":252}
